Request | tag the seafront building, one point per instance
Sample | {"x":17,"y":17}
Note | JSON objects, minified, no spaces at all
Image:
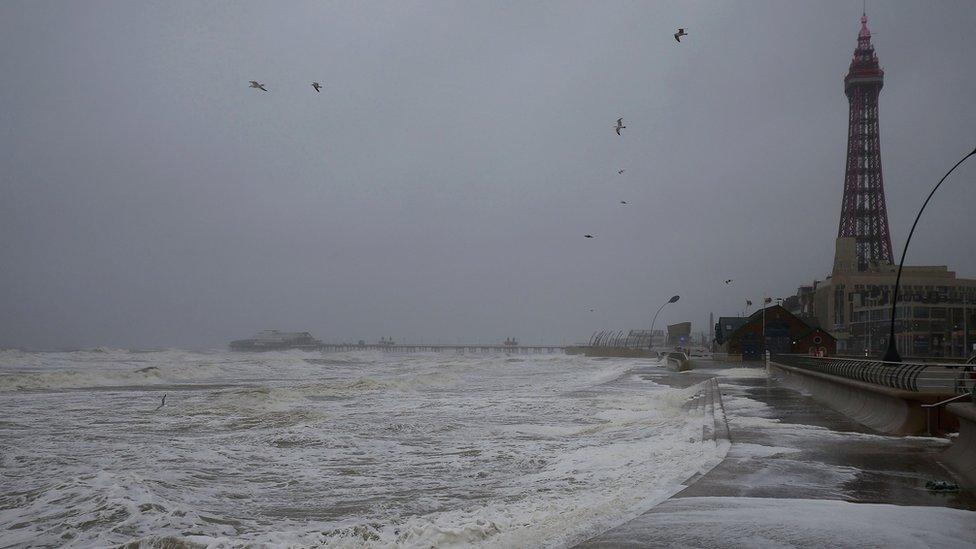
{"x":936,"y":316}
{"x":679,"y":335}
{"x":936,"y":313}
{"x":726,"y":326}
{"x":774,"y":329}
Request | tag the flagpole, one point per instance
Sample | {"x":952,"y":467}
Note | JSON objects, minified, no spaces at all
{"x":764,"y":323}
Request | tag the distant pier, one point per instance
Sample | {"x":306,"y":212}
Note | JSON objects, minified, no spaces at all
{"x":437,"y":348}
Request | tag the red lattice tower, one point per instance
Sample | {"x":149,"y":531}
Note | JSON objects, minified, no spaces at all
{"x":863,"y":212}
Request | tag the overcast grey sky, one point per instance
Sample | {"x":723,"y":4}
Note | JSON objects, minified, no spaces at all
{"x":440,"y":185}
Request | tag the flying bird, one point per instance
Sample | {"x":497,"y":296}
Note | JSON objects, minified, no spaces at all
{"x":317,"y":86}
{"x":620,"y":125}
{"x":161,"y":404}
{"x":623,"y":201}
{"x":258,"y":85}
{"x":588,"y":236}
{"x":679,"y":34}
{"x":729,"y":281}
{"x":619,"y":172}
{"x":591,"y":310}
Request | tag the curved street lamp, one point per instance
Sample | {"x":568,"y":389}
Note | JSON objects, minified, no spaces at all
{"x":891,"y":355}
{"x":650,"y":338}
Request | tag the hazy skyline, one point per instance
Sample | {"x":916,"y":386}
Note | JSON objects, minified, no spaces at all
{"x":439,"y":186}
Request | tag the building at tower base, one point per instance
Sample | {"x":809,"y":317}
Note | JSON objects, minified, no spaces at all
{"x":936,"y":314}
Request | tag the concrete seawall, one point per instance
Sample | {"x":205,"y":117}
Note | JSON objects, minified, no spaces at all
{"x":677,"y":362}
{"x":883,"y":409}
{"x":715,"y":441}
{"x":961,"y":456}
{"x":610,"y":352}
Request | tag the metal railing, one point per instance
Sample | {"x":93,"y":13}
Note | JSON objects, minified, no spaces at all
{"x":619,"y":340}
{"x":921,"y":378}
{"x":929,"y":407}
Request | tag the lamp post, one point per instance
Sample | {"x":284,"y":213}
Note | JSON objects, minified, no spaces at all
{"x":965,"y":329}
{"x":650,"y":338}
{"x":891,"y":355}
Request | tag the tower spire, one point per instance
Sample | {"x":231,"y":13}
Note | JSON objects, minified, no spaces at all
{"x":864,"y":215}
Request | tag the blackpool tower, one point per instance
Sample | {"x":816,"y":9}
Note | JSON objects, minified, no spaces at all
{"x":863,"y":213}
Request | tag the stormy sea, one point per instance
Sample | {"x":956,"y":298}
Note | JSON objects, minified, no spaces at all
{"x":335,"y":450}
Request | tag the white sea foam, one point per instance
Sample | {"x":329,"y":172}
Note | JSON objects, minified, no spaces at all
{"x":336,"y":450}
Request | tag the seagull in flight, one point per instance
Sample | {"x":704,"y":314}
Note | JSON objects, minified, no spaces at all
{"x":679,"y":34}
{"x":588,"y":236}
{"x":620,"y":172}
{"x":161,"y":404}
{"x":623,"y":201}
{"x":620,"y":125}
{"x":258,"y":85}
{"x":317,"y":86}
{"x":729,"y":281}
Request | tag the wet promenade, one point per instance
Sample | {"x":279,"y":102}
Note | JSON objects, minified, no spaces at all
{"x":799,"y":474}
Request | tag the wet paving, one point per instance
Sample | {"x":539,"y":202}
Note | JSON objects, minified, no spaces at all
{"x":788,"y":446}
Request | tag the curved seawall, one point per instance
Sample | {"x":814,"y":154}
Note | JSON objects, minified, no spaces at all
{"x":715,"y":442}
{"x":892,"y":411}
{"x":961,"y":456}
{"x":677,"y":361}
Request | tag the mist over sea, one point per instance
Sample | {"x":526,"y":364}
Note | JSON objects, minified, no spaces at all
{"x":337,"y":450}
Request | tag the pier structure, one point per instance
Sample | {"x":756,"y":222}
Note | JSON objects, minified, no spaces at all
{"x":390,"y":347}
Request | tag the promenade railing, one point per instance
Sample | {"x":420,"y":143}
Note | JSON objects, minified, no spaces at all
{"x":610,"y":339}
{"x":920,"y":378}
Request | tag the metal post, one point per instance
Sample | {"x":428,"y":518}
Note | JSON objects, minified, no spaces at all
{"x":891,"y":355}
{"x":650,"y":342}
{"x":965,"y":329}
{"x":867,"y":330}
{"x":764,"y":323}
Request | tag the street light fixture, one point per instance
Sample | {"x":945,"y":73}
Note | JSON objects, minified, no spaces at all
{"x":650,"y":338}
{"x":891,"y":355}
